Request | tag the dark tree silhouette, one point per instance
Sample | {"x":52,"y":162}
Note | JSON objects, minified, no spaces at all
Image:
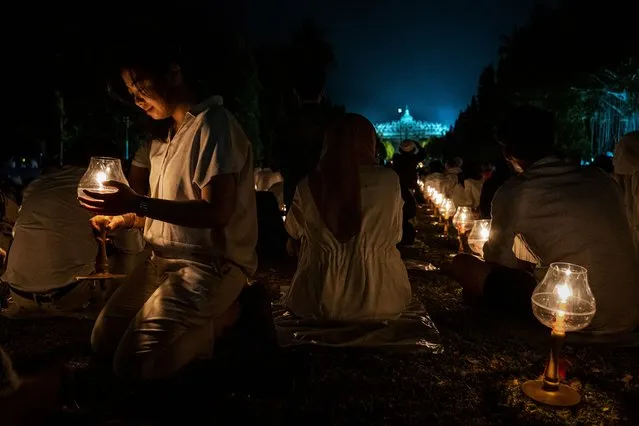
{"x":578,"y":60}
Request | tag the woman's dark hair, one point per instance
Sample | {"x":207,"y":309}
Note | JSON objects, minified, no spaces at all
{"x":148,"y":64}
{"x":155,"y":65}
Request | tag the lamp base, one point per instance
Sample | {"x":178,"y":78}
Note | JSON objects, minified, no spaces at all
{"x":564,"y":396}
{"x":100,"y":276}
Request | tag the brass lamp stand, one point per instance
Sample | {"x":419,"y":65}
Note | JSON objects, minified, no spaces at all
{"x":549,"y":390}
{"x":101,"y":272}
{"x":460,"y":235}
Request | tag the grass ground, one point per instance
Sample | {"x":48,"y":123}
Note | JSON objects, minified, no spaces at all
{"x":475,"y":381}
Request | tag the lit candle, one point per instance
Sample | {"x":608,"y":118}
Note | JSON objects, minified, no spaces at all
{"x":563,"y":302}
{"x":100,"y":178}
{"x":479,"y":234}
{"x":101,"y":170}
{"x":484,"y":233}
{"x":563,"y":292}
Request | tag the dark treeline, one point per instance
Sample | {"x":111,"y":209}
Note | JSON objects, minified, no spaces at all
{"x":59,"y":66}
{"x":580,"y":60}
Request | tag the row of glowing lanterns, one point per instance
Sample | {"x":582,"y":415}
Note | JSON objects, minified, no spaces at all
{"x":463,"y":220}
{"x":562,"y":301}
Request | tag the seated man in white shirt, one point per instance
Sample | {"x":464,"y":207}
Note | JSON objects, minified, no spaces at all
{"x":555,"y":212}
{"x":53,"y":243}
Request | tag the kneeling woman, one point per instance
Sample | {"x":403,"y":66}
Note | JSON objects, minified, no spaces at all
{"x":346,"y":218}
{"x":200,"y":221}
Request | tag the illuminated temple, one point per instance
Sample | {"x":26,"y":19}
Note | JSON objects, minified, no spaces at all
{"x":409,"y":128}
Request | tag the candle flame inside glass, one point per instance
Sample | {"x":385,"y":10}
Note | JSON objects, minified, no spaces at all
{"x":564,"y":292}
{"x":100,"y":178}
{"x":563,"y":300}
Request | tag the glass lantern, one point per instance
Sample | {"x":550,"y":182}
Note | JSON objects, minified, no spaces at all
{"x":432,"y":193}
{"x":429,"y":191}
{"x":100,"y":170}
{"x":479,"y":235}
{"x":447,"y":209}
{"x":563,"y":302}
{"x":463,"y":222}
{"x":439,"y":199}
{"x":463,"y":219}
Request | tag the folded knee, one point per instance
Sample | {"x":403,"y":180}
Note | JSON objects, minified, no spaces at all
{"x":98,"y":340}
{"x":105,"y":337}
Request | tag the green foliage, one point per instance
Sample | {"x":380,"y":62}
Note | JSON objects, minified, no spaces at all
{"x":424,"y":142}
{"x":69,"y":80}
{"x":390,"y":149}
{"x":559,"y":63}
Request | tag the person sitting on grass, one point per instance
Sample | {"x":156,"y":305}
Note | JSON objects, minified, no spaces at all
{"x":346,"y":219}
{"x":199,"y":220}
{"x":554,"y":211}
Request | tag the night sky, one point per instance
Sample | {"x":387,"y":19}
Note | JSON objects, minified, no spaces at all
{"x":427,"y":54}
